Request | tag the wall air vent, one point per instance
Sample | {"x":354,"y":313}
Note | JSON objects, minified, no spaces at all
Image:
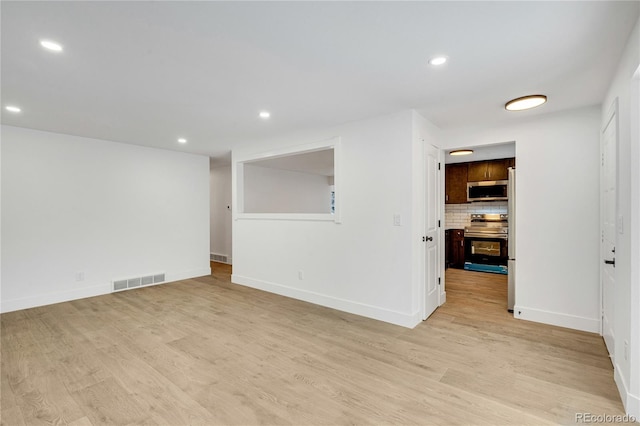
{"x":133,"y":282}
{"x":119,"y":285}
{"x":219,"y":258}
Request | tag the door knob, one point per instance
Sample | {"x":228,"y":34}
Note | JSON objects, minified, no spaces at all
{"x":610,"y":262}
{"x":429,"y":238}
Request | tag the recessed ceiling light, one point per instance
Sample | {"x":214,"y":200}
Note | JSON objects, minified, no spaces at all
{"x":51,"y":45}
{"x":525,"y":102}
{"x":182,"y":140}
{"x":461,"y":152}
{"x":265,"y":114}
{"x":438,"y":60}
{"x":12,"y":108}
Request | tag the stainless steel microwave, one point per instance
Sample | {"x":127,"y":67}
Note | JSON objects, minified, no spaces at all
{"x":491,"y":190}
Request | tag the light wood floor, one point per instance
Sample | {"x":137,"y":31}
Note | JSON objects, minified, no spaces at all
{"x":204,"y":351}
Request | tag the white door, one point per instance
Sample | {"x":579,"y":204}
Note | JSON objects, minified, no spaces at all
{"x":431,"y":236}
{"x":608,"y":226}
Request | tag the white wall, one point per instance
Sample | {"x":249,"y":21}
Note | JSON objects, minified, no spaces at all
{"x":105,"y":209}
{"x":220,"y":208}
{"x":627,"y":297}
{"x":268,"y":190}
{"x":557,"y":248}
{"x":363,"y":265}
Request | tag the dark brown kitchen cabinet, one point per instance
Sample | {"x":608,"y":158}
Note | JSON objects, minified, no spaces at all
{"x":498,"y":170}
{"x":488,"y":170}
{"x":455,"y":248}
{"x":477,"y":171}
{"x":455,"y":183}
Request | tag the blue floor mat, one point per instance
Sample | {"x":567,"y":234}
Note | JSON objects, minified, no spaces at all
{"x":496,"y":269}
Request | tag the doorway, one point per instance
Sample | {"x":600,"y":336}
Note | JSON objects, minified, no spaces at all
{"x":477,"y":233}
{"x":220,"y":212}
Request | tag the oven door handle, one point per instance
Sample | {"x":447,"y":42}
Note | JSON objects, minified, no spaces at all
{"x":487,"y":236}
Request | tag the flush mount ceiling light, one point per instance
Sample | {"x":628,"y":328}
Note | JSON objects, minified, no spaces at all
{"x":12,"y":108}
{"x":182,"y":140}
{"x":51,"y":45}
{"x":264,"y":114}
{"x":461,"y":152}
{"x":525,"y":102}
{"x":438,"y":60}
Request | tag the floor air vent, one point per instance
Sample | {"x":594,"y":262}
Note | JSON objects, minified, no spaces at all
{"x":125,"y":284}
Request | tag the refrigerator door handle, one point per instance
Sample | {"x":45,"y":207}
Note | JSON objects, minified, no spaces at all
{"x":511,"y":264}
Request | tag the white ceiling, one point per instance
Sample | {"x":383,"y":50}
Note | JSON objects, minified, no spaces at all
{"x":484,"y":152}
{"x":150,"y":72}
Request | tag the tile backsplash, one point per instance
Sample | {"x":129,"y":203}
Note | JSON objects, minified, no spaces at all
{"x":457,"y":216}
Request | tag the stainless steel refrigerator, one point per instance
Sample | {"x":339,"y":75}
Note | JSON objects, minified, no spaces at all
{"x":511,"y":244}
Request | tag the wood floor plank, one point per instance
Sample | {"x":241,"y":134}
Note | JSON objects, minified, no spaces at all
{"x":83,"y":421}
{"x":40,"y":395}
{"x":206,"y":351}
{"x":10,"y":413}
{"x":151,"y":390}
{"x":81,"y":370}
{"x":108,"y":403}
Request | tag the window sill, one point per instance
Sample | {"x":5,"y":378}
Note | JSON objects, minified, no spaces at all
{"x":315,"y":217}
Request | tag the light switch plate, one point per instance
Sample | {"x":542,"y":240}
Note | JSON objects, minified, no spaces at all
{"x":397,"y":220}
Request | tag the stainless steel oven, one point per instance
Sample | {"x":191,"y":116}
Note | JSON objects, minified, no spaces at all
{"x":486,"y":243}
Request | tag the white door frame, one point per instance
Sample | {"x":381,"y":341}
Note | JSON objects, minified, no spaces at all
{"x":443,"y":293}
{"x":634,"y":317}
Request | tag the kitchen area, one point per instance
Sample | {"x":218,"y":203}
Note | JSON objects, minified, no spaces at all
{"x":480,"y":214}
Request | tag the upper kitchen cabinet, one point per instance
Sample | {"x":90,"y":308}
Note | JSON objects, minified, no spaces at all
{"x":488,"y":170}
{"x":455,"y":183}
{"x":498,"y":170}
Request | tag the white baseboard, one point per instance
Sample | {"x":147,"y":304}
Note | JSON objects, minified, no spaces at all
{"x":55,"y":297}
{"x":84,"y":292}
{"x":631,"y":402}
{"x":393,"y":317}
{"x":633,"y":406}
{"x":185,"y":275}
{"x":555,"y":318}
